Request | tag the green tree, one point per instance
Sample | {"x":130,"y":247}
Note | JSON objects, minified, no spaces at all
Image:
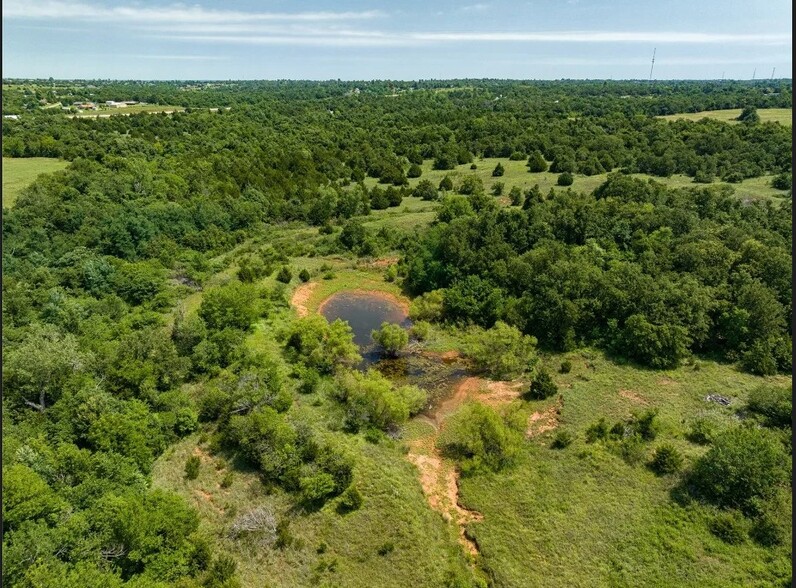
{"x":391,"y":337}
{"x":478,"y":439}
{"x":425,"y":190}
{"x":284,"y":275}
{"x":741,"y":466}
{"x":233,"y":305}
{"x":446,"y":184}
{"x":749,"y":115}
{"x":501,"y":352}
{"x":498,"y":171}
{"x":565,"y":179}
{"x":415,"y":171}
{"x":536,"y":162}
{"x":542,"y":386}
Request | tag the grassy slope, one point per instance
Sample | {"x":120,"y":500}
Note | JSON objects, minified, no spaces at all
{"x":783,"y":116}
{"x":516,"y":174}
{"x":583,"y":517}
{"x":19,"y":173}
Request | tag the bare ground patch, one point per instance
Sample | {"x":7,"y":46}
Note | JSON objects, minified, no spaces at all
{"x":547,"y":420}
{"x":633,"y":396}
{"x":301,"y":296}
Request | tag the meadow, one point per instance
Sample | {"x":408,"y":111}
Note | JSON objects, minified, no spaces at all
{"x":783,"y":116}
{"x":19,"y":173}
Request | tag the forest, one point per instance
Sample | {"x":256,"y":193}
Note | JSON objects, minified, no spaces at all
{"x":149,"y":339}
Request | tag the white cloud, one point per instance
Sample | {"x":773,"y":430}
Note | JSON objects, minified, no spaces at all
{"x":476,"y":7}
{"x":67,"y":10}
{"x":182,"y":57}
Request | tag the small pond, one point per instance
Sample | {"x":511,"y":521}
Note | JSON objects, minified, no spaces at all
{"x":365,"y":312}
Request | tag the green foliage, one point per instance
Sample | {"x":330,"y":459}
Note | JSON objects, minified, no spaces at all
{"x":284,"y":275}
{"x":542,"y":385}
{"x":742,"y":465}
{"x":371,"y":400}
{"x":773,"y":403}
{"x":321,"y":345}
{"x":566,"y":367}
{"x":501,"y":352}
{"x":703,"y":431}
{"x":231,"y":306}
{"x":471,"y":185}
{"x":427,"y":307}
{"x":391,"y":338}
{"x":562,"y":439}
{"x":666,"y":459}
{"x":446,"y":184}
{"x":536,"y":163}
{"x":304,"y":275}
{"x":350,"y":500}
{"x":597,"y":431}
{"x":565,"y":179}
{"x":659,"y":346}
{"x":497,"y":188}
{"x":749,"y":115}
{"x":730,"y":527}
{"x":415,"y":171}
{"x":478,"y":439}
{"x":515,"y":196}
{"x":498,"y":171}
{"x":192,"y":465}
{"x":425,"y":190}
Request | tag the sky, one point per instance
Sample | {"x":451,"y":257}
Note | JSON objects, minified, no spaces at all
{"x":398,"y":40}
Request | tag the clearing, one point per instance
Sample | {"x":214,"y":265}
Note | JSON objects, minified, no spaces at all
{"x":20,"y":172}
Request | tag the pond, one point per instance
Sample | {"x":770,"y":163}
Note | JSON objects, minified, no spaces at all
{"x":365,"y":312}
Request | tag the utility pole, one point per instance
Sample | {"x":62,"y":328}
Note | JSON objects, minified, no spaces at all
{"x":753,"y":74}
{"x":772,"y":73}
{"x":653,"y":61}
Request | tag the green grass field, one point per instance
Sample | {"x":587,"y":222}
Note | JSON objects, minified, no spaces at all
{"x":19,"y":173}
{"x":783,"y":116}
{"x":134,"y":109}
{"x":414,"y":212}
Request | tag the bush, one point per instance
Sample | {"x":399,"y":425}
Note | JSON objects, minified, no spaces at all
{"x":516,"y":156}
{"x":415,"y":171}
{"x":446,"y":184}
{"x":478,"y":438}
{"x":562,"y":439}
{"x":284,"y":275}
{"x":427,"y":307}
{"x":542,"y":386}
{"x":497,"y":188}
{"x":221,"y":572}
{"x":730,"y":527}
{"x":391,"y":337}
{"x":742,"y":466}
{"x":702,"y":431}
{"x":783,"y":181}
{"x":425,"y":190}
{"x":566,"y":367}
{"x":227,"y":480}
{"x":304,"y":275}
{"x":631,"y":449}
{"x":498,"y":171}
{"x":773,"y":520}
{"x":391,"y":273}
{"x":536,"y":162}
{"x":565,"y":179}
{"x":420,"y":330}
{"x":501,"y":352}
{"x":350,"y":500}
{"x":515,"y":196}
{"x":386,"y":548}
{"x":646,"y":424}
{"x":597,"y":432}
{"x":192,"y":465}
{"x":372,"y":400}
{"x":773,"y":403}
{"x":666,"y":460}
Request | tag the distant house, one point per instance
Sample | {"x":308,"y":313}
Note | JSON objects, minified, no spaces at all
{"x":85,"y":105}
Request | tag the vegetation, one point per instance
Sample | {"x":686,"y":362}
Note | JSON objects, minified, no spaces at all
{"x":168,"y":419}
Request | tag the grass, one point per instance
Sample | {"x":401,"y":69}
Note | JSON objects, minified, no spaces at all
{"x":783,"y":116}
{"x":583,"y":517}
{"x":413,"y":213}
{"x":19,"y":173}
{"x":134,"y":109}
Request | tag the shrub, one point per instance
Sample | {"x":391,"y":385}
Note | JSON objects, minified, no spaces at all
{"x":666,"y":460}
{"x":566,"y":367}
{"x":427,"y":307}
{"x":516,"y":156}
{"x":350,"y":500}
{"x":542,"y":386}
{"x":192,"y":465}
{"x":391,"y":337}
{"x":415,"y":171}
{"x":773,"y":403}
{"x":631,"y":449}
{"x":497,"y":188}
{"x":221,"y":572}
{"x":478,"y":438}
{"x":498,"y":171}
{"x":743,"y":465}
{"x":420,"y":330}
{"x":515,"y":196}
{"x":646,"y":424}
{"x":473,"y":166}
{"x":326,"y":228}
{"x":562,"y":439}
{"x":446,"y":184}
{"x":425,"y":190}
{"x":372,"y":400}
{"x":536,"y":162}
{"x":565,"y":179}
{"x":391,"y":273}
{"x":773,"y":519}
{"x":227,"y":480}
{"x":597,"y":432}
{"x":783,"y":181}
{"x":386,"y":548}
{"x":284,"y":275}
{"x":702,"y":431}
{"x":730,"y":527}
{"x":304,"y":275}
{"x":501,"y":352}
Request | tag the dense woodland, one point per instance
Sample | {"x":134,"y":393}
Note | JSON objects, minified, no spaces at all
{"x":96,"y":365}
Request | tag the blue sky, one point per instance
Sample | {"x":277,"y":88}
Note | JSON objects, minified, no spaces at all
{"x":414,"y":39}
